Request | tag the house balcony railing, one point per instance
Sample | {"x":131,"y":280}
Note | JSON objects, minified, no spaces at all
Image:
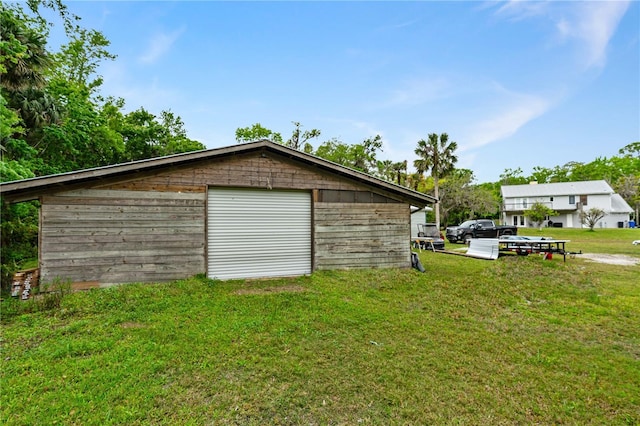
{"x":520,"y":206}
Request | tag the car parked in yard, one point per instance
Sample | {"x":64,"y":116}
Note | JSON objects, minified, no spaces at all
{"x":479,"y":228}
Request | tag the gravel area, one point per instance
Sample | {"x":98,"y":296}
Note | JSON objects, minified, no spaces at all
{"x":613,"y":259}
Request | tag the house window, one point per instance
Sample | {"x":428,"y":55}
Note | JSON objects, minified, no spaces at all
{"x":583,"y":200}
{"x":515,"y":221}
{"x":551,"y":199}
{"x":522,"y":203}
{"x":521,"y":220}
{"x":572,"y":199}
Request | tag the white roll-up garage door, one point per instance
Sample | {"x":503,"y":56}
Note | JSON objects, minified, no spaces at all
{"x":258,"y":233}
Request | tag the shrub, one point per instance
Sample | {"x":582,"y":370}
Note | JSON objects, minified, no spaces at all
{"x":591,"y":217}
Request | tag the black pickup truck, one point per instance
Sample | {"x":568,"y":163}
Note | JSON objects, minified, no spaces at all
{"x":480,"y":228}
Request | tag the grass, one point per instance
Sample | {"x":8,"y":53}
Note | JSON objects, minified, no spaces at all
{"x":519,"y":340}
{"x":611,"y":241}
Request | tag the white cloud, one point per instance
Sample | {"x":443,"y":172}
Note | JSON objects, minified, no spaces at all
{"x":159,"y":45}
{"x":416,"y":92}
{"x":150,"y":94}
{"x":399,"y":25}
{"x":564,"y":27}
{"x":353,"y":131}
{"x":519,"y":9}
{"x":466,"y":161}
{"x":591,"y":23}
{"x":514,"y":113}
{"x":595,"y":24}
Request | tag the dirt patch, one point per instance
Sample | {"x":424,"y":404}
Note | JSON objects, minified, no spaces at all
{"x":131,"y":324}
{"x":612,"y":259}
{"x":272,"y":290}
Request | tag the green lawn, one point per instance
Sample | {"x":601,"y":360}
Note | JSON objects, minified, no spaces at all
{"x":616,"y":241}
{"x":520,"y":340}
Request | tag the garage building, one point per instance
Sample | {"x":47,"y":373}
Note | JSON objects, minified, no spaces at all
{"x":250,"y":210}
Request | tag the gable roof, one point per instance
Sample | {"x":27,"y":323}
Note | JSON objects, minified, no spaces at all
{"x":619,"y":205}
{"x":589,"y":187}
{"x":30,"y":189}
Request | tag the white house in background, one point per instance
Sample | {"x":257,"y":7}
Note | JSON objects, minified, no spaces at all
{"x":567,"y":199}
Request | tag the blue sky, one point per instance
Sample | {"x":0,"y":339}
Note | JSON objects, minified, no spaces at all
{"x":516,"y":84}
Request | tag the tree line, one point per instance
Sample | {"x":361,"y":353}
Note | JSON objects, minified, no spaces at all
{"x":434,"y":171}
{"x":55,"y":119}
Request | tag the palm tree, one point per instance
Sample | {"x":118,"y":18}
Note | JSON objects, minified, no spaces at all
{"x":439,"y":158}
{"x":385,"y":170}
{"x":399,"y":168}
{"x":26,"y":57}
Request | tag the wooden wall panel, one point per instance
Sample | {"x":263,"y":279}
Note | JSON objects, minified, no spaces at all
{"x":114,"y":236}
{"x":245,"y":171}
{"x":152,"y":227}
{"x":361,"y":235}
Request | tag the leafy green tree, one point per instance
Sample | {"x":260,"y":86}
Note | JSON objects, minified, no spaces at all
{"x":78,"y":61}
{"x":52,"y":92}
{"x":83,"y":139}
{"x":10,"y":125}
{"x":24,"y":106}
{"x":364,"y":154}
{"x":24,"y":62}
{"x":629,"y":188}
{"x":541,"y":175}
{"x":513,"y":177}
{"x":18,"y":235}
{"x":562,"y":173}
{"x":14,"y":170}
{"x":69,"y":20}
{"x":301,"y":140}
{"x":462,"y":199}
{"x":17,"y":158}
{"x":146,"y":137}
{"x":438,"y":157}
{"x":334,"y":150}
{"x":600,"y":168}
{"x":630,"y":150}
{"x":538,"y":212}
{"x":591,"y":217}
{"x":360,"y":156}
{"x":177,"y":140}
{"x":142,"y":135}
{"x":19,"y":224}
{"x":257,"y":132}
{"x":418,"y":182}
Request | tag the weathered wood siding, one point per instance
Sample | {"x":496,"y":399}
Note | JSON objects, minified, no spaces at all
{"x":115,"y":236}
{"x":243,"y":171}
{"x":361,"y":235}
{"x":151,"y":226}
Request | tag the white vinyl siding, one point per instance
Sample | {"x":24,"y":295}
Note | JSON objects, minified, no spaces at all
{"x":258,"y":233}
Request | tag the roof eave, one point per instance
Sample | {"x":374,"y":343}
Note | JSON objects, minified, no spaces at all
{"x":30,"y":189}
